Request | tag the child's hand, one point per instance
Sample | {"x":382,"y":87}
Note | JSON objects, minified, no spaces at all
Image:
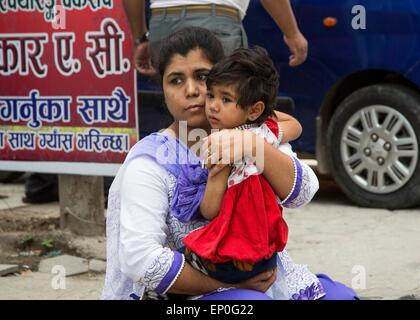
{"x":229,"y":146}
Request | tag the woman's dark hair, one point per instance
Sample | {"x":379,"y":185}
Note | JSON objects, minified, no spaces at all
{"x":253,"y":74}
{"x":187,"y":39}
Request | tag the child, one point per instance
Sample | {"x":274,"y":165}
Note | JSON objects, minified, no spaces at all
{"x":247,"y":228}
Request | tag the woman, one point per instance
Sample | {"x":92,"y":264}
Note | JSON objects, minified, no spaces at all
{"x":144,"y":233}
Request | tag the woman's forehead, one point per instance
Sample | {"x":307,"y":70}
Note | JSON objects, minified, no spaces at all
{"x":194,"y":60}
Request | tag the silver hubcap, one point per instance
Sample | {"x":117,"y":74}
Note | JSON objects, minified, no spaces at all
{"x":379,"y":149}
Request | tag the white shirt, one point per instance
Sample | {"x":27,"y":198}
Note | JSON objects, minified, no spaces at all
{"x":141,"y":232}
{"x":240,"y":5}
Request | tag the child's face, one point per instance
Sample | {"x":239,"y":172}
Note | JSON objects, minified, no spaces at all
{"x":222,"y":109}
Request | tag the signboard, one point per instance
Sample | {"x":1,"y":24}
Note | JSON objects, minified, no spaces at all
{"x":67,"y":88}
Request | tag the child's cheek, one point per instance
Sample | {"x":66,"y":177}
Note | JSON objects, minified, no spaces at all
{"x":207,"y":106}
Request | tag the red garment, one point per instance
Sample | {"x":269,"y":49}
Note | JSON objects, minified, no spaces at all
{"x":249,"y":226}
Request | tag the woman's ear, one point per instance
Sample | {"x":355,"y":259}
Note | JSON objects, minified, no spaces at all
{"x":255,"y":111}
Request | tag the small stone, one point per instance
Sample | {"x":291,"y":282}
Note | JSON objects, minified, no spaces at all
{"x":6,"y":269}
{"x":53,"y":253}
{"x":97,"y":265}
{"x":72,"y":265}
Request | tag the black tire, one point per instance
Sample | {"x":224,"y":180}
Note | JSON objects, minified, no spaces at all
{"x":406,"y":102}
{"x":41,"y":188}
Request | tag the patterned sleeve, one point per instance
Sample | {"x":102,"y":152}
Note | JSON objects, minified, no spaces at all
{"x":162,"y":273}
{"x":305,"y":183}
{"x":144,"y":208}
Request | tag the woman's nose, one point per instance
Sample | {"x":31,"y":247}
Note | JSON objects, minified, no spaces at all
{"x":192,"y":88}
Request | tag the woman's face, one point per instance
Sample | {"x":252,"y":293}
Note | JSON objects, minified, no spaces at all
{"x":184,"y":87}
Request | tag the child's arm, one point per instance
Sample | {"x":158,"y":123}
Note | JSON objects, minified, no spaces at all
{"x":290,"y":127}
{"x":213,"y":195}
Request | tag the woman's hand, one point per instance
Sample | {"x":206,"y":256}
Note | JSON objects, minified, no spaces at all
{"x":228,"y":146}
{"x":260,"y":282}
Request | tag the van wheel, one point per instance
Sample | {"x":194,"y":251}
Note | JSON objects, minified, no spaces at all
{"x":373,"y":145}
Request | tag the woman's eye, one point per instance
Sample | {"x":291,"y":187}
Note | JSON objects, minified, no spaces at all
{"x":175,"y":81}
{"x":202,"y":77}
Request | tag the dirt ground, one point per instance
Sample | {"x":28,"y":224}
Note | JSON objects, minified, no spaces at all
{"x":375,"y":251}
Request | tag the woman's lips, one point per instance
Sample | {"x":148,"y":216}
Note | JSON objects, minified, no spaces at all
{"x":194,"y":107}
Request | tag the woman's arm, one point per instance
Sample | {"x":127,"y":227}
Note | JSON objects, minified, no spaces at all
{"x":143,"y":256}
{"x":193,"y":282}
{"x":305,"y":183}
{"x":278,"y":168}
{"x":213,"y":195}
{"x":142,"y":253}
{"x":293,"y":181}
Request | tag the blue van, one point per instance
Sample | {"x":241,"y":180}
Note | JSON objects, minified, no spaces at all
{"x":357,"y":96}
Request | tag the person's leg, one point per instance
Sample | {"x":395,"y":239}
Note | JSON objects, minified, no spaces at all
{"x":335,"y":290}
{"x":229,"y":31}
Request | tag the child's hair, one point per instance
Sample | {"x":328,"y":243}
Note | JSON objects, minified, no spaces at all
{"x":253,"y":74}
{"x":187,"y":39}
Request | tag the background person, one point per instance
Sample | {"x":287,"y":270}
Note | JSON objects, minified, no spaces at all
{"x":222,"y":17}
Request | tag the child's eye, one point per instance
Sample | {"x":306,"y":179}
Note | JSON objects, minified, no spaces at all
{"x":226,"y":100}
{"x":210,"y":95}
